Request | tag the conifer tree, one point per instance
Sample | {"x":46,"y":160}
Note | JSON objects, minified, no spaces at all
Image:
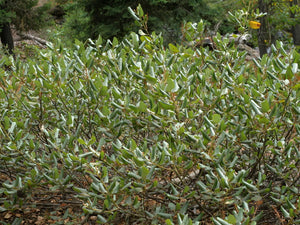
{"x":111,"y":18}
{"x":23,"y":14}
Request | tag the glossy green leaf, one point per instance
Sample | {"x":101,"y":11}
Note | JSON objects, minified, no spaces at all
{"x":173,"y":48}
{"x":265,"y":106}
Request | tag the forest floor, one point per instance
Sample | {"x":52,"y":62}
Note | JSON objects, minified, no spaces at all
{"x":42,"y":207}
{"x":42,"y":2}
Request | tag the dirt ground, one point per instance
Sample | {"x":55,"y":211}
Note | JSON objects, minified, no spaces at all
{"x":42,"y":2}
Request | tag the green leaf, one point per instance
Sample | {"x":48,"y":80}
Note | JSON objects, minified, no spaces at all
{"x":140,"y":11}
{"x":133,"y":145}
{"x":101,"y":219}
{"x":151,"y":79}
{"x":169,"y":222}
{"x":216,"y":118}
{"x":81,"y":141}
{"x":285,"y":213}
{"x":164,"y":215}
{"x":224,"y":178}
{"x":116,"y":188}
{"x":289,"y":73}
{"x":165,"y":105}
{"x":138,"y":161}
{"x":104,"y":172}
{"x":79,"y":190}
{"x":142,"y":106}
{"x":265,"y":106}
{"x":173,"y":48}
{"x":107,"y":203}
{"x":216,"y":222}
{"x":255,"y":107}
{"x":99,"y":41}
{"x":133,"y":14}
{"x":201,"y":185}
{"x":231,"y":219}
{"x":135,"y":39}
{"x":223,"y":222}
{"x":134,"y":175}
{"x":209,"y":123}
{"x":249,"y":186}
{"x":200,"y":26}
{"x":115,"y":42}
{"x":12,"y":127}
{"x":17,"y":221}
{"x":170,"y":84}
{"x":144,"y":172}
{"x":295,"y":68}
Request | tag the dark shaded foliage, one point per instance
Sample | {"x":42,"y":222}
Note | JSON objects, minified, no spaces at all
{"x":111,"y":18}
{"x":23,"y":14}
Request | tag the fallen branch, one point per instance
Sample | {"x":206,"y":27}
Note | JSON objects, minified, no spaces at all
{"x":252,"y":52}
{"x":31,"y":37}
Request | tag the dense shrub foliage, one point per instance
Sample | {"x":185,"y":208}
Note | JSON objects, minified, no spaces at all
{"x":141,"y":133}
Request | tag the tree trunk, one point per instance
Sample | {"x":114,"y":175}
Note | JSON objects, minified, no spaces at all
{"x":6,"y":37}
{"x":296,"y":34}
{"x":296,"y":27}
{"x":263,"y":34}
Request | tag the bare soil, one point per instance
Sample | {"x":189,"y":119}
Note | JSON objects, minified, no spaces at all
{"x":42,"y":2}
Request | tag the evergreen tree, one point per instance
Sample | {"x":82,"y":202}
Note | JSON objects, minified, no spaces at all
{"x":23,"y":14}
{"x":5,"y":31}
{"x":296,"y":26}
{"x":90,"y":18}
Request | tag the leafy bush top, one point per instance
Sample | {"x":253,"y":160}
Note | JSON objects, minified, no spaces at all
{"x":142,"y":133}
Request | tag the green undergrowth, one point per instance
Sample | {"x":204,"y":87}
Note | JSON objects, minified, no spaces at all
{"x":146,"y":134}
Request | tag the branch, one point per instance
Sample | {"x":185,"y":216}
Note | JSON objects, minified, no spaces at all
{"x":31,"y":37}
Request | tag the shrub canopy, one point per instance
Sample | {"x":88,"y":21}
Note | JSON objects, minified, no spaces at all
{"x":139,"y":133}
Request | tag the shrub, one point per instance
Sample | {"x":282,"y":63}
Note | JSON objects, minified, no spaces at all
{"x":141,"y":133}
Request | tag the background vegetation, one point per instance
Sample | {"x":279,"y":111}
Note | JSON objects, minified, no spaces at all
{"x":88,"y":19}
{"x":23,"y":15}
